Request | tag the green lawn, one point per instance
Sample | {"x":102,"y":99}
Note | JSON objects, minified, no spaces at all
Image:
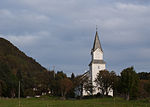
{"x":50,"y":102}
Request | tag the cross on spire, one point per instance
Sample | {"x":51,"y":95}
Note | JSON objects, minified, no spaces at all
{"x":96,"y":28}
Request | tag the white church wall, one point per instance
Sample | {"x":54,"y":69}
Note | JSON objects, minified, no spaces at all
{"x":85,"y":93}
{"x":98,"y":54}
{"x":96,"y":68}
{"x":111,"y":92}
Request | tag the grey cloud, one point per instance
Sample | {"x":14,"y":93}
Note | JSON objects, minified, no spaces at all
{"x":64,"y":31}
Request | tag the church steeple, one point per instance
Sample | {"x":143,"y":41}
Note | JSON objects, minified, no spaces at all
{"x":96,"y":65}
{"x":97,"y":43}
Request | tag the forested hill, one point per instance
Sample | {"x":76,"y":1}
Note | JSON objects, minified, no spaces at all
{"x":16,"y":66}
{"x":16,"y":59}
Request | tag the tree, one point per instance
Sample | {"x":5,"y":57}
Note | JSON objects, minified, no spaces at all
{"x":144,"y":75}
{"x":55,"y":82}
{"x":52,"y":82}
{"x":87,"y":84}
{"x":88,"y":87}
{"x":115,"y":83}
{"x":8,"y":81}
{"x":42,"y":85}
{"x":72,"y":76}
{"x":129,"y":83}
{"x":65,"y":86}
{"x":117,"y":86}
{"x":80,"y":82}
{"x":104,"y":81}
{"x":71,"y":93}
{"x":60,"y":75}
{"x":20,"y":78}
{"x":144,"y":89}
{"x":29,"y":92}
{"x":3,"y":88}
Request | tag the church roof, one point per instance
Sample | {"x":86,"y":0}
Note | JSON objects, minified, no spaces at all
{"x":97,"y":43}
{"x":97,"y":62}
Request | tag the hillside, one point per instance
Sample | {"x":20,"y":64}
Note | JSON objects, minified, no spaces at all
{"x":16,"y":59}
{"x":20,"y":67}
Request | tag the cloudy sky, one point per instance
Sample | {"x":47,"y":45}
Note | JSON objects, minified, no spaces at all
{"x":60,"y":33}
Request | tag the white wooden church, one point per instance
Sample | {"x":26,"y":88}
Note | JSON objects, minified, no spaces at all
{"x":97,"y":64}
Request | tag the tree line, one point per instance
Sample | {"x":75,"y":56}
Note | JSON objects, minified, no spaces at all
{"x":127,"y":84}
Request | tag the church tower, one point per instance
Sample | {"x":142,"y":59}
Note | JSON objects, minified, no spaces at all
{"x":97,"y":63}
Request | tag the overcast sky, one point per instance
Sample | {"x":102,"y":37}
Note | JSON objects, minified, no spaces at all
{"x":61,"y":33}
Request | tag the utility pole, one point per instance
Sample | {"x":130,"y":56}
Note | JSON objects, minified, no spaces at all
{"x":19,"y":93}
{"x":54,"y":70}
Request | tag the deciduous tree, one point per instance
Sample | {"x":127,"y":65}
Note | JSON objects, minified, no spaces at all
{"x":129,"y":83}
{"x":65,"y":86}
{"x":104,"y":81}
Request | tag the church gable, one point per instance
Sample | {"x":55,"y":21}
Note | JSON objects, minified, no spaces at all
{"x":98,"y":54}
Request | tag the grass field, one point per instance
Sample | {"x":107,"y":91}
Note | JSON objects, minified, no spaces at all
{"x":51,"y":102}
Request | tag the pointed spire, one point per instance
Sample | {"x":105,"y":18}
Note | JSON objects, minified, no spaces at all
{"x":97,"y":43}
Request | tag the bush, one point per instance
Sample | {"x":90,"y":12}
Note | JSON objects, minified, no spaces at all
{"x":29,"y":92}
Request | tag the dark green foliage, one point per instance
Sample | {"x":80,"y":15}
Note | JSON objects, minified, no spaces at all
{"x":89,"y":88}
{"x":65,"y":86}
{"x":29,"y":92}
{"x":60,"y":75}
{"x":82,"y":82}
{"x":144,"y":75}
{"x":16,"y":66}
{"x":144,"y":89}
{"x":71,"y":93}
{"x":59,"y":84}
{"x":129,"y":82}
{"x":72,"y":76}
{"x":117,"y":86}
{"x":147,"y":87}
{"x":105,"y":81}
{"x":8,"y":81}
